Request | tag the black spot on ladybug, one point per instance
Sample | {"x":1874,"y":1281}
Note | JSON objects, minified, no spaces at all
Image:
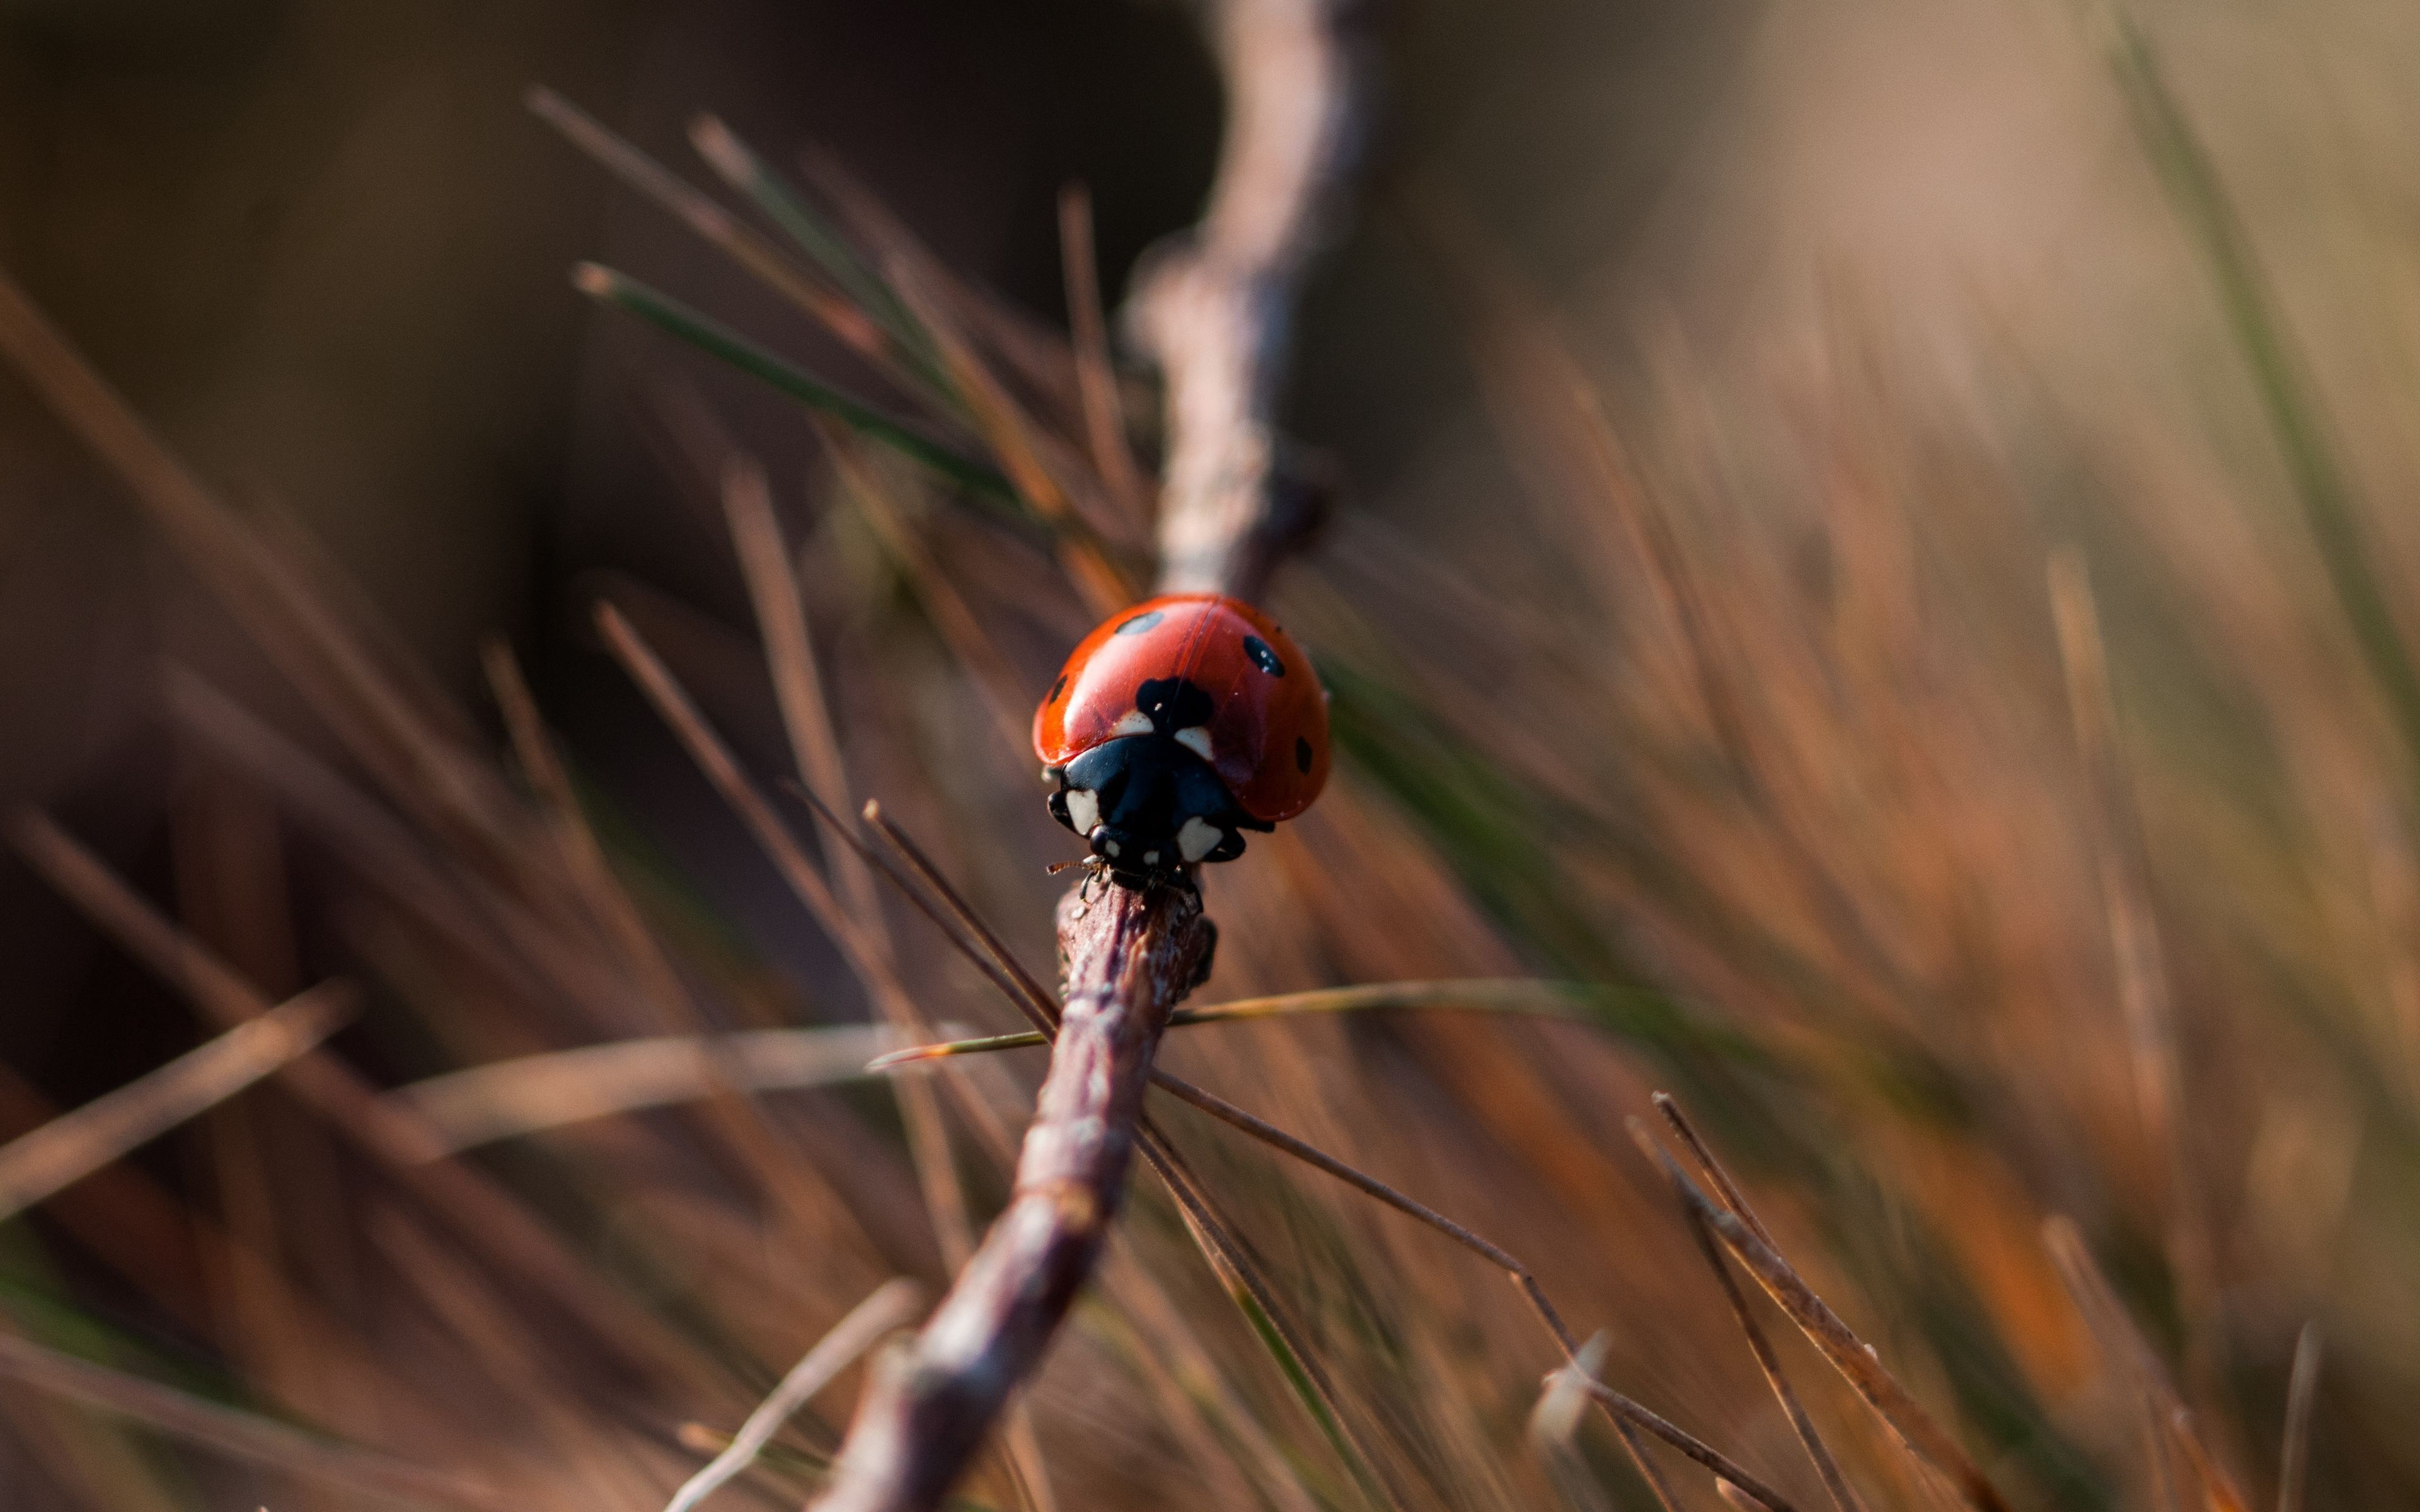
{"x":1056,"y":688}
{"x":1173,"y":703}
{"x":1262,"y":658}
{"x":1140,"y":624}
{"x":1301,"y":754}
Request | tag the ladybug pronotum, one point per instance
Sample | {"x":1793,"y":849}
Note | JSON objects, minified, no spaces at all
{"x":1179,"y":724}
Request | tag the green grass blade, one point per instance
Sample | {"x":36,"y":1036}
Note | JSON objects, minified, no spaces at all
{"x":2330,"y":507}
{"x":720,"y":341}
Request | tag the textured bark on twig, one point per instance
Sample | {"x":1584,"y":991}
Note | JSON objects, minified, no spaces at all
{"x":1131,"y":958}
{"x":1214,"y":311}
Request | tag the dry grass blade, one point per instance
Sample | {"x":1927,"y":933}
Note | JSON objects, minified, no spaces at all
{"x":2143,"y":991}
{"x":754,"y":1138}
{"x":240,"y":1434}
{"x":1551,"y":998}
{"x":531,"y":1094}
{"x":299,"y":632}
{"x":1000,"y":684}
{"x":74,"y":1145}
{"x":1042,"y":1004}
{"x":1018,"y":443}
{"x":1703,"y":1154}
{"x":1624,"y":1411}
{"x":713,"y":225}
{"x":892,"y":1306}
{"x":2301,"y":1399}
{"x":1769,"y":1362}
{"x":1097,"y":378}
{"x":2170,"y":1419}
{"x":1858,"y":1364}
{"x":722,"y":768}
{"x":780,"y":604}
{"x":1044,"y":1016}
{"x":1555,"y":1426}
{"x":480,"y":1212}
{"x":1213,"y":1236}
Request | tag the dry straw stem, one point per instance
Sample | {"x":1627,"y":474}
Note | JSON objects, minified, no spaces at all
{"x":481,"y":1214}
{"x":74,"y":1145}
{"x":2143,"y":991}
{"x":2169,"y":1418}
{"x":2301,"y":1397}
{"x":1853,"y":1357}
{"x":780,"y":604}
{"x":1627,"y":1412}
{"x":1097,"y":378}
{"x":241,"y":1435}
{"x":1835,"y":1483}
{"x":714,"y":224}
{"x":891,"y":1305}
{"x":1552,"y":999}
{"x":530,"y":1094}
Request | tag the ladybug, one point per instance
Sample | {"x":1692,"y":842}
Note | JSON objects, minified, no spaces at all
{"x":1177,"y":725}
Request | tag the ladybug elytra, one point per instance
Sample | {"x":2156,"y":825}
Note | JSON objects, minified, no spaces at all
{"x":1177,"y":725}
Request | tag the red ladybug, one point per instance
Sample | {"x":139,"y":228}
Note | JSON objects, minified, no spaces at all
{"x":1177,"y":725}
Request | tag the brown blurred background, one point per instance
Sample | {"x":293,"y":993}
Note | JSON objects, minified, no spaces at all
{"x":1889,"y":303}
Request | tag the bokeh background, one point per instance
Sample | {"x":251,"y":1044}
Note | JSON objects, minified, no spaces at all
{"x":1878,"y":531}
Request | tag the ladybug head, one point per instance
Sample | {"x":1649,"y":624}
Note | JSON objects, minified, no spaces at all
{"x":1148,"y":803}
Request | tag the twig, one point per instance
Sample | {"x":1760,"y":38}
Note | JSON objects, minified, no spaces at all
{"x":1216,"y":310}
{"x":892,"y":1303}
{"x":1132,"y":956}
{"x":1216,"y":315}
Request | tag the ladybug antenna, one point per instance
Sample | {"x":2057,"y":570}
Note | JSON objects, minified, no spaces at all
{"x":1057,"y":866}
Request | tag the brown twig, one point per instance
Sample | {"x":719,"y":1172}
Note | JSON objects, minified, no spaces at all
{"x":1216,"y":309}
{"x":1214,"y":314}
{"x":1131,"y":956}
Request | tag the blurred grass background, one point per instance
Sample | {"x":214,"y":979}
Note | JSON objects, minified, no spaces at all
{"x":1877,"y":533}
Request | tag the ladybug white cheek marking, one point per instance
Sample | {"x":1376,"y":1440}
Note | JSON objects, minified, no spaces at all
{"x":1083,"y":810}
{"x":1135,"y":722}
{"x":1197,"y":839}
{"x":1196,"y":740}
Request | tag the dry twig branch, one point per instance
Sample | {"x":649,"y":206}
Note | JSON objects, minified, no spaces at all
{"x":1216,"y":315}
